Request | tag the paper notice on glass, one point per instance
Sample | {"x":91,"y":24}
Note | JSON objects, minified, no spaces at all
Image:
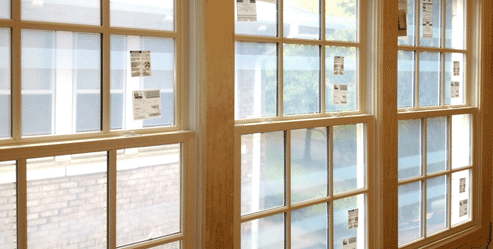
{"x":402,"y":25}
{"x":427,"y":19}
{"x":463,"y":208}
{"x":338,"y":65}
{"x":339,"y":94}
{"x":352,"y":219}
{"x":456,"y":68}
{"x":140,"y":62}
{"x":268,"y":1}
{"x":454,"y":90}
{"x":247,"y":10}
{"x":147,"y":104}
{"x":349,"y":243}
{"x":462,"y":186}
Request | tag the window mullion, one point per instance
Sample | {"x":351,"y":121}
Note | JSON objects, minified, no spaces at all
{"x":425,"y":173}
{"x":416,"y":88}
{"x":106,"y":77}
{"x":280,"y":62}
{"x":287,"y":191}
{"x":111,"y":199}
{"x":449,"y":201}
{"x":16,"y":69}
{"x":21,"y":204}
{"x":322,"y":57}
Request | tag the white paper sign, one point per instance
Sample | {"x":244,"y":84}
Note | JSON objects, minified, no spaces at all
{"x":402,"y":25}
{"x":427,"y":19}
{"x":454,"y":8}
{"x":339,"y":94}
{"x":454,"y":89}
{"x":247,"y":10}
{"x":352,"y":219}
{"x":147,"y":104}
{"x":140,"y":62}
{"x":349,"y":243}
{"x":463,"y":208}
{"x":338,"y":65}
{"x":456,"y":68}
{"x":268,"y":1}
{"x":462,"y":186}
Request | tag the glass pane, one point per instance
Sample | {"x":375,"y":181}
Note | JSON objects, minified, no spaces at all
{"x":61,"y":82}
{"x":308,"y":164}
{"x":349,"y":77}
{"x":349,"y":156}
{"x":437,"y":144}
{"x":144,"y":14}
{"x":68,"y":11}
{"x":8,"y":207}
{"x":455,"y":24}
{"x":173,"y":245}
{"x":262,"y":171}
{"x":301,"y":79}
{"x":410,"y":39}
{"x":431,"y":24}
{"x":406,"y":80}
{"x":341,"y":20}
{"x":410,"y":212}
{"x":66,"y":201}
{"x":350,"y":221}
{"x":429,"y":79}
{"x":302,"y":19}
{"x":5,"y":9}
{"x":148,"y":193}
{"x":309,"y":227}
{"x":263,"y":233}
{"x":454,"y":79}
{"x":409,"y":148}
{"x":461,"y":141}
{"x":436,"y":204}
{"x":256,"y":80}
{"x":461,"y":197}
{"x":162,"y":78}
{"x":5,"y":82}
{"x":266,"y":24}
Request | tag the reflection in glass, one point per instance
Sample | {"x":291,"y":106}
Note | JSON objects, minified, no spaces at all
{"x":406,"y":79}
{"x":410,"y":210}
{"x":436,"y":23}
{"x":455,"y":24}
{"x":341,"y":21}
{"x":5,"y":82}
{"x":66,"y":201}
{"x":148,"y":198}
{"x":143,"y":14}
{"x":308,"y":164}
{"x":409,"y":148}
{"x":263,"y":233}
{"x":454,"y":61}
{"x":266,"y":24}
{"x":349,"y":157}
{"x":162,"y":77}
{"x":342,"y":229}
{"x":437,"y":144}
{"x":301,"y":79}
{"x":349,"y":78}
{"x":66,"y":11}
{"x":262,"y":171}
{"x":302,"y":19}
{"x":461,"y":141}
{"x":8,"y":208}
{"x":256,"y":80}
{"x":429,"y":79}
{"x":409,"y":40}
{"x":61,"y":82}
{"x":309,"y":227}
{"x":461,"y":197}
{"x":436,"y":204}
